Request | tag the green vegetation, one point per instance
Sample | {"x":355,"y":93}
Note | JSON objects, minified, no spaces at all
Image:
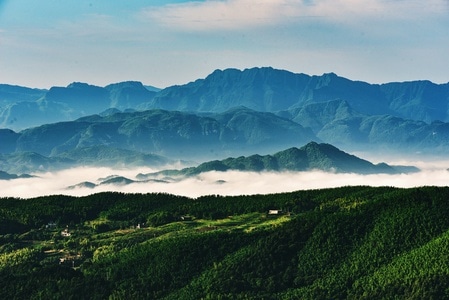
{"x":312,"y":156}
{"x":343,"y":243}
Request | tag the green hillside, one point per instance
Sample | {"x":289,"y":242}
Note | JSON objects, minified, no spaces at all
{"x":312,"y":156}
{"x":343,"y":243}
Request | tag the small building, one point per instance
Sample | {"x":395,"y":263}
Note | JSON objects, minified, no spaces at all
{"x":65,"y":233}
{"x":186,"y":218}
{"x":274,"y":212}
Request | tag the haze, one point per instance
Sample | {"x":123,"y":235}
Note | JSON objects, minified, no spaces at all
{"x":432,"y":173}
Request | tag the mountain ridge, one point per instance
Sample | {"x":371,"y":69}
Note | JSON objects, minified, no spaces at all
{"x":260,"y":89}
{"x":162,"y":132}
{"x":268,"y":89}
{"x":255,"y":110}
{"x":312,"y":156}
{"x":238,"y":131}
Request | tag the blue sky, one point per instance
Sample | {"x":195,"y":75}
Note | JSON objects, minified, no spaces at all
{"x":161,"y":43}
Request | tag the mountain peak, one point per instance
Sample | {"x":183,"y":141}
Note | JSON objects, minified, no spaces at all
{"x":323,"y":147}
{"x":80,"y":85}
{"x":126,"y":84}
{"x":312,"y":156}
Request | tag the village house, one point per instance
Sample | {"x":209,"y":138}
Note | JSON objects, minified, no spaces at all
{"x":65,"y":233}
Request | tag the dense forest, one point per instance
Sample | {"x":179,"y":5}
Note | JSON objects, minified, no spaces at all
{"x":342,"y":243}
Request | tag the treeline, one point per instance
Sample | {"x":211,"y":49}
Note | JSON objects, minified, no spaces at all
{"x":18,"y":215}
{"x":343,"y":243}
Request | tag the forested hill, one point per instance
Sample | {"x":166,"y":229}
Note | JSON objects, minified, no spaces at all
{"x":343,"y":243}
{"x":312,"y":156}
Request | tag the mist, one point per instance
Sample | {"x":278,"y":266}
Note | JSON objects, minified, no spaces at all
{"x":432,"y":173}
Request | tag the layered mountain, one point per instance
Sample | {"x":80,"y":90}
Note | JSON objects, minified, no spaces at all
{"x":22,"y":107}
{"x":10,"y":94}
{"x":133,"y":138}
{"x":267,"y":89}
{"x":165,"y":132}
{"x":112,"y":180}
{"x":260,"y":89}
{"x":8,"y":176}
{"x":312,"y":156}
{"x":337,"y":123}
{"x":258,"y":110}
{"x":29,"y":162}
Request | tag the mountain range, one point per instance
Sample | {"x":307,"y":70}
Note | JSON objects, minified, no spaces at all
{"x":312,"y":156}
{"x":261,"y":89}
{"x":229,"y":113}
{"x":170,"y":133}
{"x":268,"y":89}
{"x":22,"y":107}
{"x":8,"y":176}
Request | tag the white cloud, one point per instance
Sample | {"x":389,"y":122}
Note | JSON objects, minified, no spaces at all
{"x":242,"y":14}
{"x":370,"y":40}
{"x":224,"y":183}
{"x":212,"y":15}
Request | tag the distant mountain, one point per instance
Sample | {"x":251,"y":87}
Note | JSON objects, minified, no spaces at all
{"x":168,"y":133}
{"x":258,"y":89}
{"x":8,"y":140}
{"x":85,"y":184}
{"x":261,"y":89}
{"x":25,"y":114}
{"x":23,"y":108}
{"x":118,"y":180}
{"x":112,"y":180}
{"x":268,"y":89}
{"x":129,"y":94}
{"x":113,"y":157}
{"x":29,"y":162}
{"x":230,"y":112}
{"x":95,"y":139}
{"x":318,"y":115}
{"x":312,"y":156}
{"x":152,"y":88}
{"x":7,"y":176}
{"x":10,"y":94}
{"x":337,"y":123}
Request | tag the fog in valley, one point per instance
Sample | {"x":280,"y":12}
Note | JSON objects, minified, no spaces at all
{"x":433,"y":173}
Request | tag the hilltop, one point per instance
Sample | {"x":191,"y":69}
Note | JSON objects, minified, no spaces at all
{"x":312,"y":156}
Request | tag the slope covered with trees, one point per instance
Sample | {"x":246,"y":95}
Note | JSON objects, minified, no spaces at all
{"x":343,"y":243}
{"x":312,"y":156}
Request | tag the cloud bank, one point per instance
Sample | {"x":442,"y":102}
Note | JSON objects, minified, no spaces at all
{"x":221,"y":183}
{"x":240,"y":14}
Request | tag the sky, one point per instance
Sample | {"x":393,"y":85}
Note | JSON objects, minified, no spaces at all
{"x":162,"y":43}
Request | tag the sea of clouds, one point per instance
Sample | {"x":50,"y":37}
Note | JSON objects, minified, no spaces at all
{"x":432,"y":173}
